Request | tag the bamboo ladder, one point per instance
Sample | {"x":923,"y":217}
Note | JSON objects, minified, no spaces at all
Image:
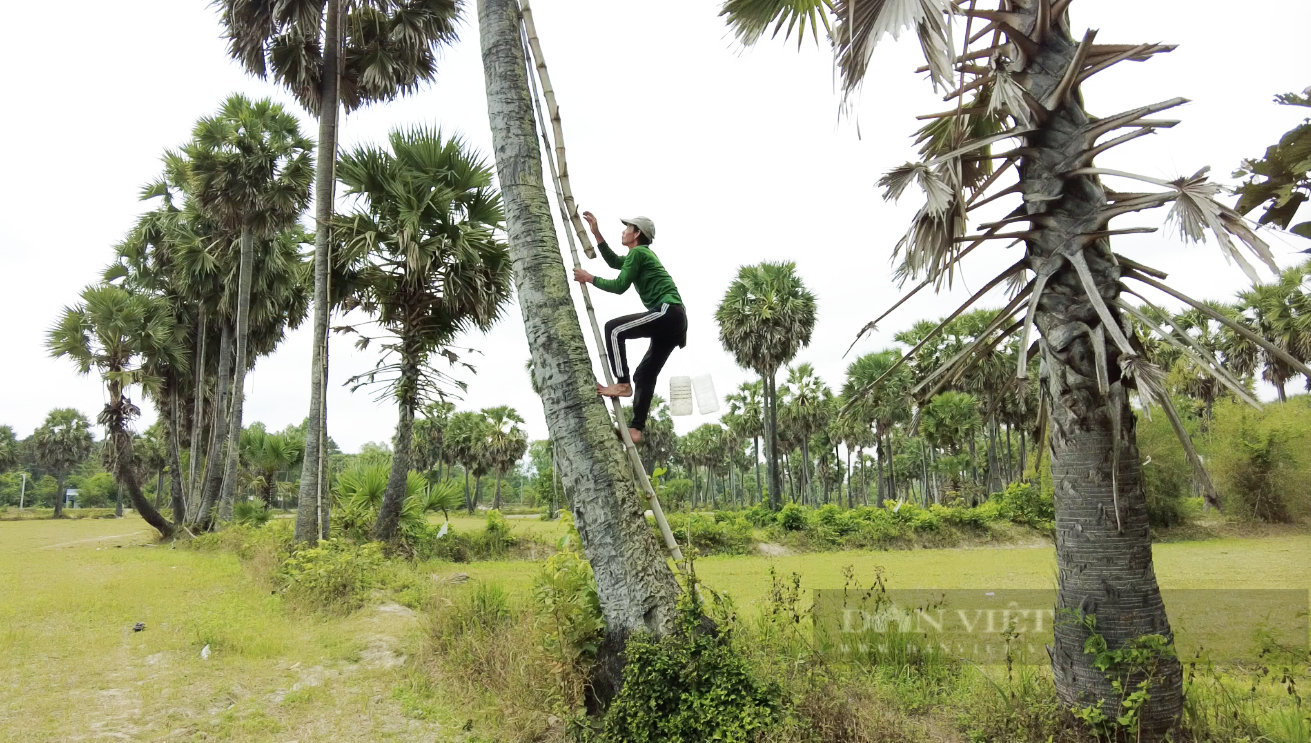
{"x":569,"y":213}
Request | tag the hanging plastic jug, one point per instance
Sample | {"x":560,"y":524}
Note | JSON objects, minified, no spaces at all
{"x":680,"y":395}
{"x":706,"y":400}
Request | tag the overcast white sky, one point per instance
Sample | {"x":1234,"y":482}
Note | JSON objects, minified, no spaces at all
{"x":739,"y":156}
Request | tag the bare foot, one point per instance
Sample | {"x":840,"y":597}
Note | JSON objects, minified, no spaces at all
{"x":636,"y":435}
{"x":615,"y":390}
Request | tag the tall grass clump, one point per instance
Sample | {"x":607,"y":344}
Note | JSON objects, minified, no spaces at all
{"x":1261,"y":459}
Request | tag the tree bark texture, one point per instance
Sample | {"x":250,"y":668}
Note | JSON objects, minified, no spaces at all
{"x":219,"y":436}
{"x":177,"y":499}
{"x":636,"y":587}
{"x":308,"y":518}
{"x":771,"y":402}
{"x":393,"y":499}
{"x":246,"y":273}
{"x":194,"y":447}
{"x":1103,"y":539}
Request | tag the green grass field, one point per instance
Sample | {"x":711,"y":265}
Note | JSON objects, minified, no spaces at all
{"x":71,"y":666}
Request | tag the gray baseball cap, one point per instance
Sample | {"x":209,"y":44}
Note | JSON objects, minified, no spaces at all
{"x":644,"y":224}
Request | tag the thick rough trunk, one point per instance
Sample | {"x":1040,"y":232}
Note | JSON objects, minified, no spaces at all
{"x":219,"y":435}
{"x":59,"y":495}
{"x":393,"y":499}
{"x":1103,"y":540}
{"x":496,"y":501}
{"x":771,"y":441}
{"x":199,"y":361}
{"x":242,"y":363}
{"x":308,"y":519}
{"x":635,"y":585}
{"x":760,"y":492}
{"x":177,"y":498}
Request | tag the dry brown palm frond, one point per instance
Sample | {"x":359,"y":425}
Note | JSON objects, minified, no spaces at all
{"x":1196,"y":210}
{"x":937,"y":190}
{"x":1008,"y":97}
{"x":862,"y":23}
{"x":929,"y":246}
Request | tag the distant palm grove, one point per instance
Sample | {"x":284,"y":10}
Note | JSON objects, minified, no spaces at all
{"x":1064,"y":403}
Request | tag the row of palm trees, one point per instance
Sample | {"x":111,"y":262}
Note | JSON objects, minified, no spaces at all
{"x":214,"y":276}
{"x":481,"y":442}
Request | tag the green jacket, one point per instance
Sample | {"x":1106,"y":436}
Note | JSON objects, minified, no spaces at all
{"x":643,"y":268}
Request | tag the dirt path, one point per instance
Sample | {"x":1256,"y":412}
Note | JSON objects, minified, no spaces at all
{"x":93,"y":539}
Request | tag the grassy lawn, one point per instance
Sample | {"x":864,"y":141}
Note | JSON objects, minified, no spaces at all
{"x":71,"y":667}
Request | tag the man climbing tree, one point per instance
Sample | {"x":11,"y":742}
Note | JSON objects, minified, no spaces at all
{"x":664,"y":322}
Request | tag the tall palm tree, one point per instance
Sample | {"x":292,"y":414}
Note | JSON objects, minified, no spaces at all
{"x":765,"y":318}
{"x":62,"y":442}
{"x":266,"y":454}
{"x":882,"y":408}
{"x":809,"y":405}
{"x":746,"y":417}
{"x":1018,"y":76}
{"x":250,"y":171}
{"x":109,"y":331}
{"x":466,"y":444}
{"x":429,"y":266}
{"x":332,"y":54}
{"x":506,"y":443}
{"x":427,"y":449}
{"x":8,"y":448}
{"x":636,"y":587}
{"x":1278,"y":312}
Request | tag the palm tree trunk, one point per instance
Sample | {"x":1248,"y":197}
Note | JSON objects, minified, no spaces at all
{"x":760,"y":491}
{"x":393,"y":499}
{"x":771,"y":427}
{"x":477,"y":491}
{"x":851,"y":499}
{"x":177,"y":497}
{"x":1010,"y":457}
{"x":59,"y":495}
{"x":994,"y":460}
{"x":496,"y":500}
{"x":124,"y":473}
{"x":309,"y":522}
{"x":1024,"y":455}
{"x":213,"y":477}
{"x":892,"y":469}
{"x":197,"y":408}
{"x":241,"y":364}
{"x":1103,"y":538}
{"x":468,"y":499}
{"x":882,"y":492}
{"x":323,"y":492}
{"x":637,"y":590}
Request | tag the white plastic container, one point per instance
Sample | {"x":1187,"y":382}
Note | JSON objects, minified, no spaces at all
{"x":706,"y":400}
{"x":680,"y":395}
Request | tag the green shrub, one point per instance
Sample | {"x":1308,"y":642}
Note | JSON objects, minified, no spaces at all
{"x":792,"y":517}
{"x":690,"y":686}
{"x":335,"y":576}
{"x":759,"y":515}
{"x":250,"y":513}
{"x":1167,"y":476}
{"x":1261,"y":461}
{"x":1026,"y":505}
{"x":725,"y":534}
{"x":569,"y":610}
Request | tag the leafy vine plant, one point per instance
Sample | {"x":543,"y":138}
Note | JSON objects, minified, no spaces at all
{"x":1014,"y":136}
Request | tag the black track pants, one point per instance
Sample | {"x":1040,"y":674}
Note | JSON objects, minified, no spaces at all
{"x":667,"y":328}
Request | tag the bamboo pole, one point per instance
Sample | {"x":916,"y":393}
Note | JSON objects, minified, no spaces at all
{"x":567,"y":203}
{"x":563,"y":201}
